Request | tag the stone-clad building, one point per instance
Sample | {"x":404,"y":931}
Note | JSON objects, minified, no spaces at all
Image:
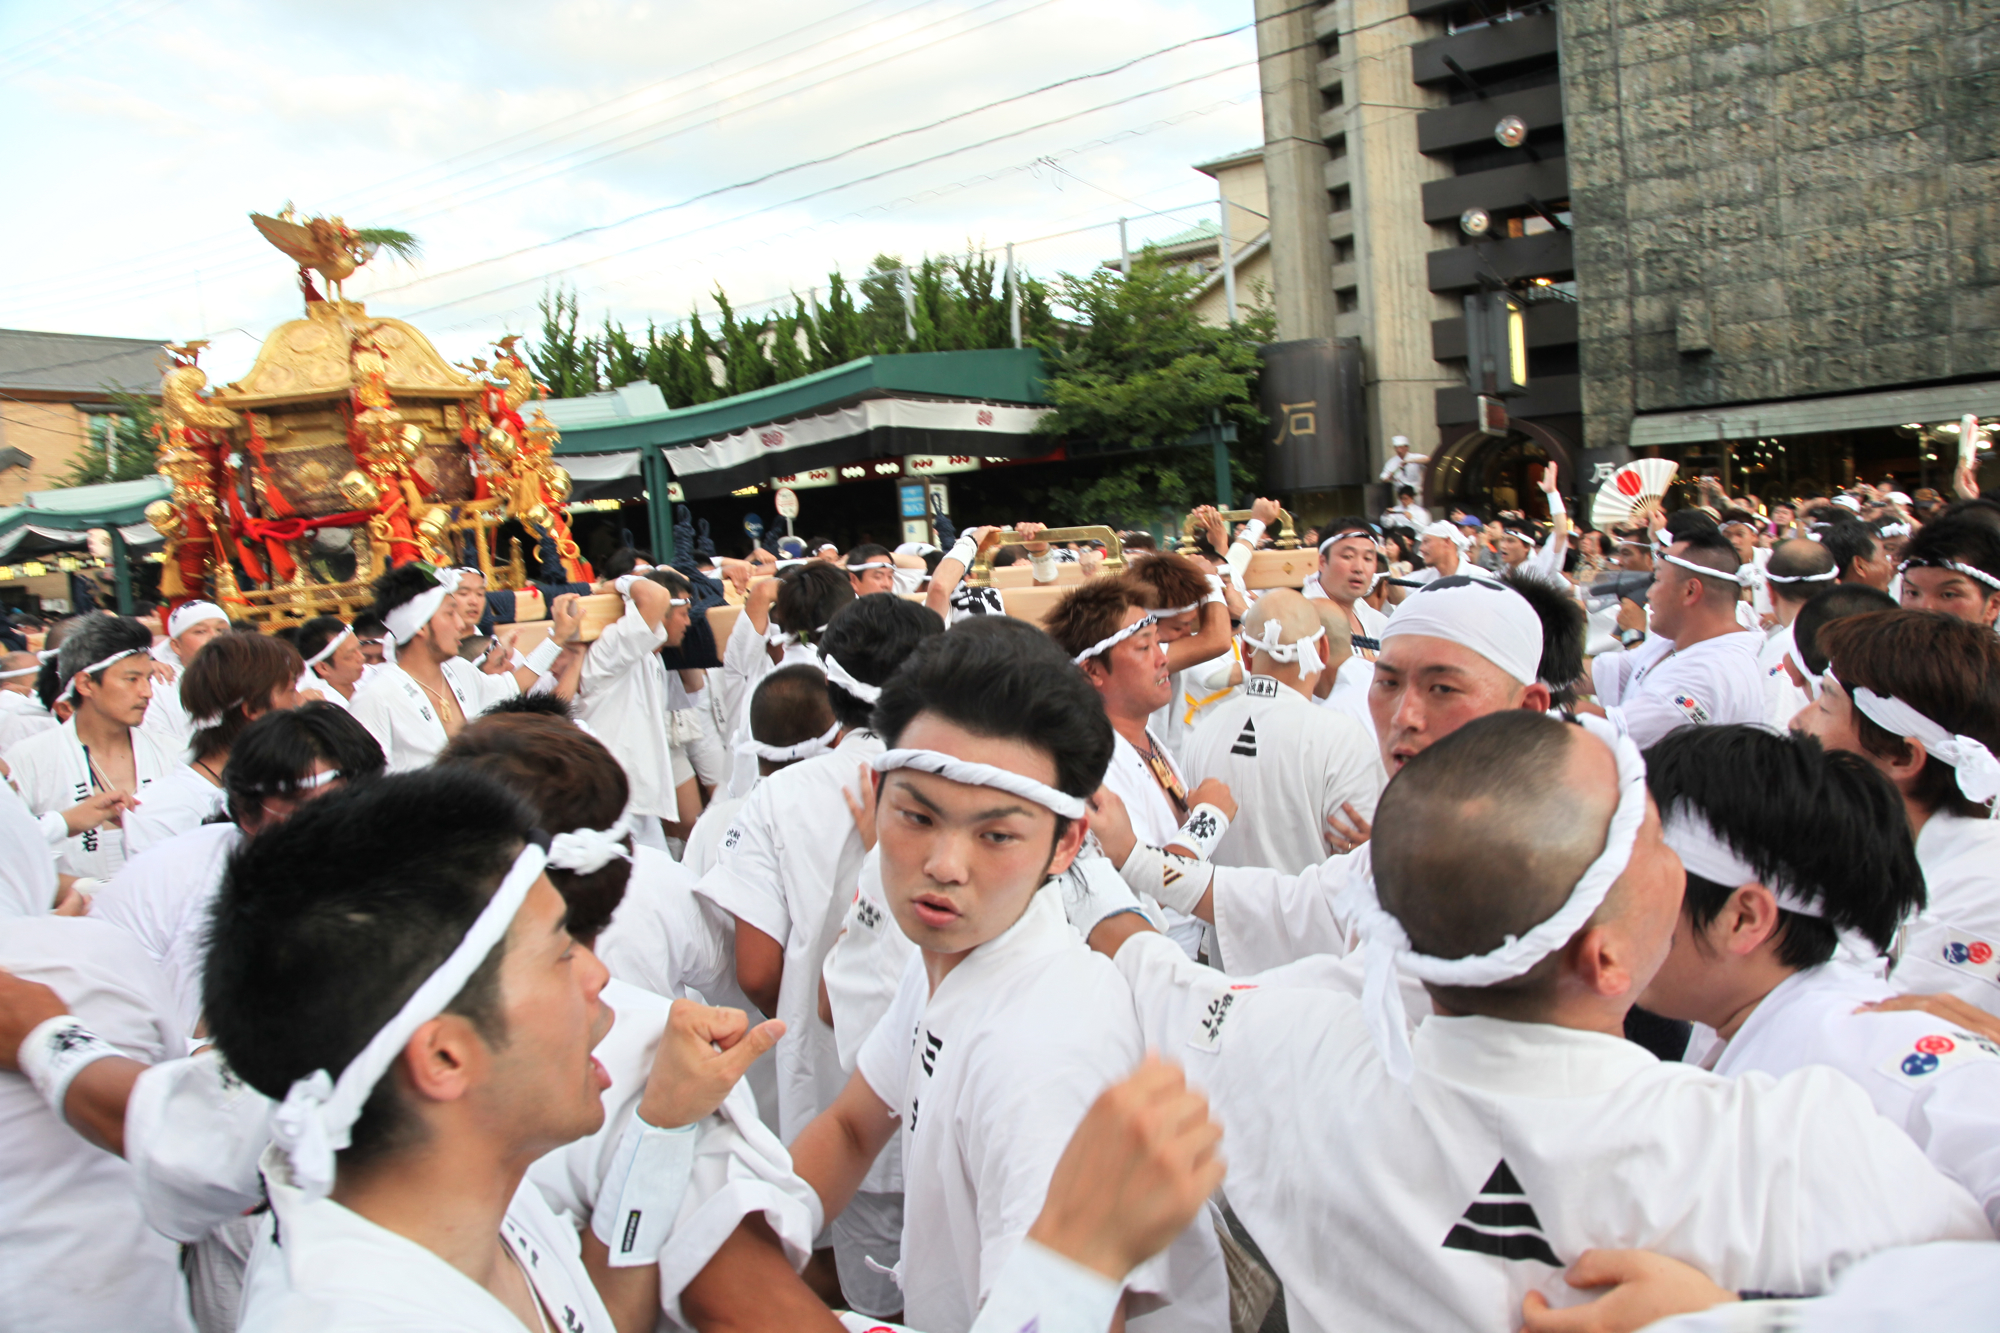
{"x":1787,"y":239}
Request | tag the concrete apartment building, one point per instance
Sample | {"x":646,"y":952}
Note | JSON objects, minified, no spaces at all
{"x":1380,"y":128}
{"x":1788,"y":239}
{"x":55,"y":397}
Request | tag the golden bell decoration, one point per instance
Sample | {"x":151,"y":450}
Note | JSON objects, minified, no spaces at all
{"x":558,"y":481}
{"x":360,"y":491}
{"x":164,"y":517}
{"x":499,"y":443}
{"x":433,"y":524}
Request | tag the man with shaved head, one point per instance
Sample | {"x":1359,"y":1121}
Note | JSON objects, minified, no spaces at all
{"x":1798,"y":568}
{"x":1288,"y":762}
{"x":1456,"y":1170}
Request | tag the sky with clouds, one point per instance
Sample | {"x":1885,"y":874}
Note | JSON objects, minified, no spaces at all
{"x":644,"y":153}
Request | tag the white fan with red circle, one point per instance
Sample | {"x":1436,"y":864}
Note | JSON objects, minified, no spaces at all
{"x":1631,"y":494}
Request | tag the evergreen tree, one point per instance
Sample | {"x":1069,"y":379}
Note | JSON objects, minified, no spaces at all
{"x":130,"y":456}
{"x":562,"y":360}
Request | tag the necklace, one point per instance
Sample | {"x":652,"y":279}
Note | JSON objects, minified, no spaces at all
{"x":443,"y":710}
{"x":213,"y":776}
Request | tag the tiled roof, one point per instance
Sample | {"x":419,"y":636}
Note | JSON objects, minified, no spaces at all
{"x":81,"y":364}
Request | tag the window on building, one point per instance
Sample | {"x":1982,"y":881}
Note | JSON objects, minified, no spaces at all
{"x":1343,"y":250}
{"x":1343,"y":199}
{"x":1329,"y":46}
{"x":1334,"y":96}
{"x":1337,"y":146}
{"x":1347,"y":300}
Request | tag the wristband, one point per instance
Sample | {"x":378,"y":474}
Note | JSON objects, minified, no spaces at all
{"x":543,"y":656}
{"x":1044,"y":566}
{"x":1170,"y":880}
{"x":640,"y":1196}
{"x":1251,"y":533}
{"x":963,"y":550}
{"x":1093,"y":892}
{"x":1214,"y":589}
{"x":55,"y":829}
{"x":1204,"y":828}
{"x":1556,"y":509}
{"x":56,"y":1051}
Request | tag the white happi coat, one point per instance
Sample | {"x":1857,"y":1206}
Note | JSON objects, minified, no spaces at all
{"x":329,"y":1267}
{"x":1937,"y":1081}
{"x":1153,"y":816}
{"x":76,"y":1255}
{"x":739,"y":1166}
{"x":21,"y":716}
{"x":1038,"y":1291}
{"x":1655,"y":689}
{"x":180,"y":801}
{"x":1265,"y":918}
{"x":788,"y":867}
{"x":1782,"y":699}
{"x":52,"y":774}
{"x":623,"y":696}
{"x":1515,"y":1147}
{"x":864,"y":968}
{"x":990,"y":1077}
{"x":161,"y":899}
{"x":1949,"y":1285}
{"x":1352,"y":672}
{"x":27,"y":867}
{"x":1289,"y":763}
{"x":704,"y":840}
{"x":1953,"y":945}
{"x":667,"y":939}
{"x":166,"y":720}
{"x":399,"y":714}
{"x":746,"y":660}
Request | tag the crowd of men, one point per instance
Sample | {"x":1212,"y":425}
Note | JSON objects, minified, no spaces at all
{"x":1516,"y":926}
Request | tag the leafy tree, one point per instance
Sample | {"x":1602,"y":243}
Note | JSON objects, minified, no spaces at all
{"x":132,"y":444}
{"x":1136,"y":374}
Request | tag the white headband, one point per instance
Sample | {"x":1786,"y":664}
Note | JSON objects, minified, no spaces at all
{"x":413,"y":615}
{"x":69,"y":690}
{"x":1704,"y":853}
{"x":1969,"y":571}
{"x":837,"y":674}
{"x":1828,"y":576}
{"x":586,"y":850}
{"x":1344,"y":534}
{"x":190,"y":614}
{"x":1978,"y":770}
{"x":982,"y":775}
{"x":1278,"y":651}
{"x":1738,"y":577}
{"x":332,"y":647}
{"x":1489,"y":618}
{"x":1893,"y":530}
{"x":872,"y":564}
{"x":318,"y":1113}
{"x":785,"y":754}
{"x":1389,"y":944}
{"x":35,"y":670}
{"x":1111,"y":641}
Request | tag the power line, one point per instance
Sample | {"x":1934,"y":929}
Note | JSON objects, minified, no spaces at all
{"x":72,"y":36}
{"x":107,"y":278}
{"x":850,"y":151}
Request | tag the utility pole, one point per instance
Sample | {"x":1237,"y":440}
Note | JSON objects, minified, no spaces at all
{"x":1228,"y":258}
{"x":1013,"y":297}
{"x":1124,"y":251}
{"x":909,"y":303}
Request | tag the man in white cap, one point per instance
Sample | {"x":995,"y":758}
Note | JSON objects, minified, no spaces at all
{"x":416,"y":703}
{"x":1697,"y":664}
{"x":1792,"y":852}
{"x":1402,"y":467}
{"x":1520,"y":875}
{"x":1446,"y":548}
{"x":1288,"y":763}
{"x":189,"y":626}
{"x":1002,"y":1031}
{"x":82,"y":773}
{"x":1457,"y":650}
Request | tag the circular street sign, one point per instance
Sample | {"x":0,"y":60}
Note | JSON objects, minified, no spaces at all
{"x":787,"y":502}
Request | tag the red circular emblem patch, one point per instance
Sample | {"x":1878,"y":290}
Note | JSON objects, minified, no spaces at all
{"x":1936,"y":1045}
{"x":1629,"y":483}
{"x":1979,"y":951}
